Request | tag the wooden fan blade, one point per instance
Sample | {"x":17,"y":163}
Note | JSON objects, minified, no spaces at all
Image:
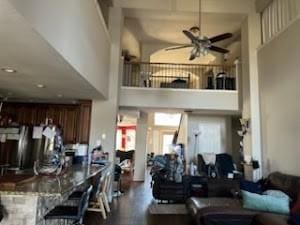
{"x":192,"y":57}
{"x":179,"y":47}
{"x":218,"y":49}
{"x":194,"y":54}
{"x":220,"y":37}
{"x":190,"y":35}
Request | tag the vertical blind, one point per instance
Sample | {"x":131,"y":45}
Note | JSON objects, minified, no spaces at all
{"x":276,"y":17}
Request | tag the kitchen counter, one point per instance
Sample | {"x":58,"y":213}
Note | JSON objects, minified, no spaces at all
{"x":58,"y":185}
{"x":27,"y":203}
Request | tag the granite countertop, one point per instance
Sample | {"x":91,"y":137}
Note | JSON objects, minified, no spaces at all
{"x":56,"y":186}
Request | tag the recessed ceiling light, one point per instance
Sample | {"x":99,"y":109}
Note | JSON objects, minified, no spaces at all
{"x":60,"y":96}
{"x":9,"y":70}
{"x":40,"y":85}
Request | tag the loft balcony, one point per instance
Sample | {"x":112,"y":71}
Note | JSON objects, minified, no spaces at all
{"x":181,"y":86}
{"x":182,"y":76}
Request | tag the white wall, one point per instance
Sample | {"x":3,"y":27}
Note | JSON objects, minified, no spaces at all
{"x":182,"y":57}
{"x":149,"y":48}
{"x":280,"y":109}
{"x":76,"y":30}
{"x":156,"y":53}
{"x":183,"y":132}
{"x":234,"y":54}
{"x":104,"y":112}
{"x":222,"y":126}
{"x":179,"y":98}
{"x":130,"y":43}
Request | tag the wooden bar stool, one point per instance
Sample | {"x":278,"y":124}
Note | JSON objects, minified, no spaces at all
{"x":101,"y":203}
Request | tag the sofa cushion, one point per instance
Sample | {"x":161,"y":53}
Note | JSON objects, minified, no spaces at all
{"x":286,"y":183}
{"x":265,"y":203}
{"x":197,"y":206}
{"x":269,"y":219}
{"x":253,"y":187}
{"x":277,"y":194}
{"x":226,"y":216}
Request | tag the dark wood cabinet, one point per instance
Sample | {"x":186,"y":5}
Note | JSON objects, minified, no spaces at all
{"x":85,"y":112}
{"x":70,"y":124}
{"x":74,"y":119}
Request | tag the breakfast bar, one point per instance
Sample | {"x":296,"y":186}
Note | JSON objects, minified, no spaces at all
{"x":28,"y":202}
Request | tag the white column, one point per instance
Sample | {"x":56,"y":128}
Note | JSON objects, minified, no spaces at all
{"x":254,"y":43}
{"x":298,"y":7}
{"x":104,"y":112}
{"x":251,"y":40}
{"x":141,"y":148}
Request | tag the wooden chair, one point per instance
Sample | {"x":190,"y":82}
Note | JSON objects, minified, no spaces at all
{"x":101,"y":203}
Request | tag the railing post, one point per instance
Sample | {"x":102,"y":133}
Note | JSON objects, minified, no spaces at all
{"x":238,"y":78}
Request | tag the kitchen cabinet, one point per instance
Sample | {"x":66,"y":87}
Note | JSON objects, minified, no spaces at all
{"x":85,"y":112}
{"x":74,"y":119}
{"x":70,"y":124}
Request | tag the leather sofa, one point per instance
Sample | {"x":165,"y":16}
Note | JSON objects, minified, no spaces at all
{"x":269,"y":219}
{"x":210,"y":214}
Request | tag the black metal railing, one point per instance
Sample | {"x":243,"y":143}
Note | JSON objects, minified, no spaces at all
{"x":184,"y":76}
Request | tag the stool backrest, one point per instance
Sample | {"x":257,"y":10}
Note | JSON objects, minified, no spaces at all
{"x":106,"y":182}
{"x":84,"y":203}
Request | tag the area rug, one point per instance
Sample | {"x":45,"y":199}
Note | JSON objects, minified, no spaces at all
{"x":167,"y":209}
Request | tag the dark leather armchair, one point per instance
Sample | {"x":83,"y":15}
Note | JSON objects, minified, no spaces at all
{"x":224,"y":165}
{"x":164,"y":189}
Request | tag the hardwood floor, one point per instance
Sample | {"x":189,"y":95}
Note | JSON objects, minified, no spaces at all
{"x":132,"y":208}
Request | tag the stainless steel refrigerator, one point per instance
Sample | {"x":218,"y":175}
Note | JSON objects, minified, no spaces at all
{"x":16,"y":147}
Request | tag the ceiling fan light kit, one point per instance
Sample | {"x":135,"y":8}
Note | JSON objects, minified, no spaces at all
{"x":202,"y":45}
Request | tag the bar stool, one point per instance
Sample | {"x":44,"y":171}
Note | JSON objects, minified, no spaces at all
{"x":117,"y":178}
{"x":101,"y":203}
{"x":71,"y":213}
{"x":3,"y":169}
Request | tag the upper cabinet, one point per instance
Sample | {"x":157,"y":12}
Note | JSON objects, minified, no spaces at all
{"x":85,"y":112}
{"x":70,"y":124}
{"x":74,"y":119}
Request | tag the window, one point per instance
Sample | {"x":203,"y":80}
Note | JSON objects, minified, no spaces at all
{"x":167,"y":143}
{"x":165,"y":119}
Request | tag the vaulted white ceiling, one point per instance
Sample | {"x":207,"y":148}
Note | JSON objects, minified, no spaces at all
{"x":36,"y":62}
{"x":152,"y":26}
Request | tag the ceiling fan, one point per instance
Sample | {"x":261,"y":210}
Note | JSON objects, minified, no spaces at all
{"x":201,"y":45}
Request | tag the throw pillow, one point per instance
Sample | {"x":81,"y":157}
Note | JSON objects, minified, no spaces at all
{"x":277,"y":194}
{"x":296,"y":208}
{"x":265,"y":203}
{"x":250,"y":186}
